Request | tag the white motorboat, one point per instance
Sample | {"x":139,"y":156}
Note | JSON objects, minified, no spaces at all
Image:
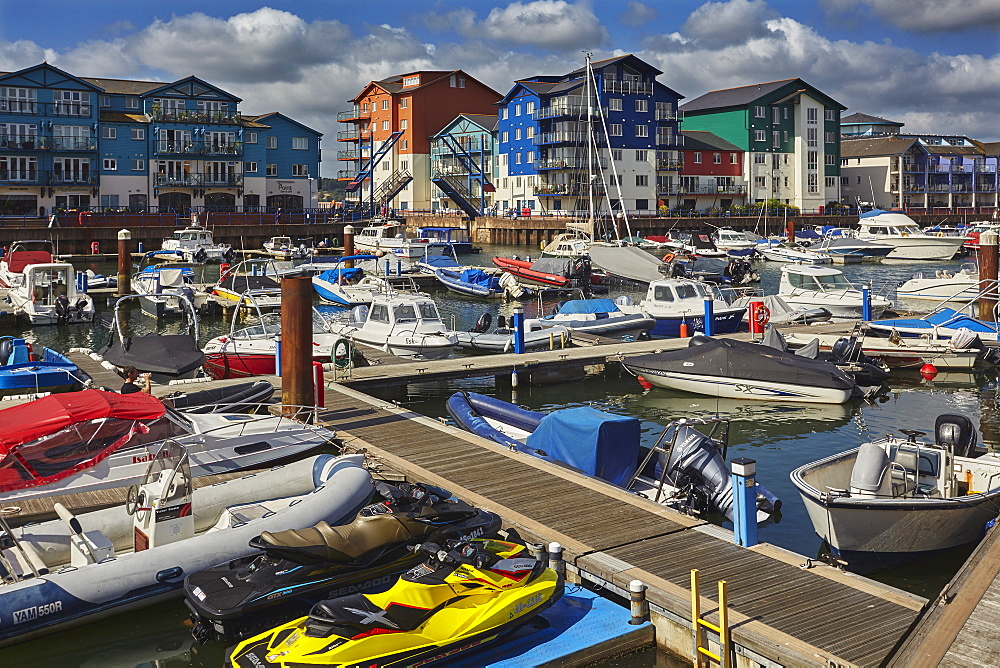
{"x":779,"y":312}
{"x":897,"y":500}
{"x":673,"y":302}
{"x":960,"y":286}
{"x":403,"y":324}
{"x":41,"y":291}
{"x":159,"y":287}
{"x":898,"y":230}
{"x":196,"y":244}
{"x":571,"y":244}
{"x":828,"y":288}
{"x":345,"y":286}
{"x":941,"y":323}
{"x":389,"y":237}
{"x":600,"y":317}
{"x":282,"y":248}
{"x":899,"y":352}
{"x":728,"y":239}
{"x":256,"y":279}
{"x":848,"y":250}
{"x":789,"y":252}
{"x":501,"y":339}
{"x":78,"y":568}
{"x":93,"y":440}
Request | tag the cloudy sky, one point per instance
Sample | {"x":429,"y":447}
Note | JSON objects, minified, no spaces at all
{"x":932,"y":64}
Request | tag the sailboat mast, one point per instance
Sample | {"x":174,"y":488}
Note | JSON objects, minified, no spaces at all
{"x":590,"y":156}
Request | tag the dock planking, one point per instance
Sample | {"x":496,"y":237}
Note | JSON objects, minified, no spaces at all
{"x":789,"y":614}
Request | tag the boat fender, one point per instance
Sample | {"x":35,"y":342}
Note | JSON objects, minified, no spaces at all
{"x":483,"y":324}
{"x":201,"y":255}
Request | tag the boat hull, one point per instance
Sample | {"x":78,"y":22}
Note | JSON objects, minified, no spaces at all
{"x":725,"y":322}
{"x":920,"y":248}
{"x":741,"y":388}
{"x":938,"y":289}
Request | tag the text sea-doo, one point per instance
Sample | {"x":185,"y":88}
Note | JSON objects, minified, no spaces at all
{"x":463,"y":597}
{"x":300,"y":567}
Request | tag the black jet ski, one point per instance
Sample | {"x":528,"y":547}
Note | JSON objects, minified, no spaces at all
{"x":299,"y":567}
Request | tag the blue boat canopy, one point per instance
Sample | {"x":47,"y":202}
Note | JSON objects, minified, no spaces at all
{"x":480,"y":278}
{"x":599,"y":444}
{"x":334,"y":275}
{"x":946,"y":317}
{"x":589,"y":306}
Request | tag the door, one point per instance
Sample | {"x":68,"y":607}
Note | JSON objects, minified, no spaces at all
{"x":179,"y":202}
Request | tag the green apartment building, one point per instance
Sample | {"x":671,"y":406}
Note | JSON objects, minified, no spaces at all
{"x":790,"y":135}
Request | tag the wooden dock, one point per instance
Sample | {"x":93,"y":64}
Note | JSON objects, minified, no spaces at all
{"x":781,"y":613}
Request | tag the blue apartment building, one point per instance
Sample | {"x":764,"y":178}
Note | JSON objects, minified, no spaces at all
{"x":69,"y":142}
{"x":463,"y":165}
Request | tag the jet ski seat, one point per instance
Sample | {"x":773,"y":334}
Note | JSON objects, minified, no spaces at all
{"x":338,"y":544}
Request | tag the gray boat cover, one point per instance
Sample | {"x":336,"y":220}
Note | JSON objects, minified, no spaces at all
{"x":628,"y":262}
{"x":553,"y":265}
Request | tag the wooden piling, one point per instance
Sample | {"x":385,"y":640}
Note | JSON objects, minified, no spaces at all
{"x":124,"y":262}
{"x":987,"y":275}
{"x":349,"y":245}
{"x":296,"y":343}
{"x":790,"y":231}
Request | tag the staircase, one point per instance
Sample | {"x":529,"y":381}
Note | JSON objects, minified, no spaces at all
{"x":460,"y":194}
{"x":456,"y":188}
{"x":366,"y":170}
{"x":390,"y":188}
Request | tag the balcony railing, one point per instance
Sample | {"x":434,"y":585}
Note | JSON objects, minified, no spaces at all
{"x":61,"y":177}
{"x":343,"y":174}
{"x":198,"y":147}
{"x":669,"y":115}
{"x":222,"y":180}
{"x":23,"y":143}
{"x":352,"y":115}
{"x":177,"y":179}
{"x":565,"y":137}
{"x":669,"y":163}
{"x":569,"y":163}
{"x":681,"y":189}
{"x":32,"y":108}
{"x":348,"y":155}
{"x":628,"y":86}
{"x":986,"y":169}
{"x":348,"y":135}
{"x":575,"y":110}
{"x":669,"y":139}
{"x":195,"y":116}
{"x":74,"y":144}
{"x":566,"y":189}
{"x":24,"y":177}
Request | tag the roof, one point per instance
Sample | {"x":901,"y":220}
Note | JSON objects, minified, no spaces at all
{"x":866,"y":119}
{"x":394,"y":84}
{"x":743,"y":96}
{"x":272,"y":114}
{"x":701,"y":139}
{"x":122,"y":117}
{"x":487,"y":121}
{"x":874,"y":146}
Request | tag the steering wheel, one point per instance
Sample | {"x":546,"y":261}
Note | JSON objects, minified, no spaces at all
{"x":912,"y":434}
{"x":132,"y":500}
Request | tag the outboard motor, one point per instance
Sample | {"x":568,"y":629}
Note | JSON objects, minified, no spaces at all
{"x":501,"y":321}
{"x":62,"y":308}
{"x":870,"y":475}
{"x":188,"y":293}
{"x":483,"y":324}
{"x":966,"y":338}
{"x":623,"y":300}
{"x":956,"y":434}
{"x":6,"y":348}
{"x":359,"y":314}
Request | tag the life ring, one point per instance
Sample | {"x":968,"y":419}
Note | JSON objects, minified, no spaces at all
{"x":669,"y":257}
{"x":762,"y":315}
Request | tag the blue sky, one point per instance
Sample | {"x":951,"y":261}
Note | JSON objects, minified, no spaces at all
{"x":932,"y":64}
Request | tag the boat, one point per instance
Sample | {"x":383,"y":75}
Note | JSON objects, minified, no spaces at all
{"x":728,"y":239}
{"x":792,"y":252}
{"x":158,"y":287}
{"x":848,"y":250}
{"x":23,"y":370}
{"x":41,"y":291}
{"x":235,"y":398}
{"x":825,"y":287}
{"x":739,"y":369}
{"x":456,"y":238}
{"x":471,"y":282}
{"x":438,"y":256}
{"x":78,"y":568}
{"x":673,"y":302}
{"x":899,"y":352}
{"x":870,"y":375}
{"x":94,"y":440}
{"x":599,"y":317}
{"x":571,"y":244}
{"x":960,"y":286}
{"x":941,"y":323}
{"x":466,"y":595}
{"x":724,"y":271}
{"x":607,"y":446}
{"x":501,"y":339}
{"x":405,"y":325}
{"x":779,"y":312}
{"x":898,"y":230}
{"x":251,"y":278}
{"x":896,"y":499}
{"x":165,"y":356}
{"x":628,"y":264}
{"x":282,"y":248}
{"x":345,"y":286}
{"x":972,"y":233}
{"x":389,"y":237}
{"x":197,"y":244}
{"x":291,"y":570}
{"x":546,"y":272}
{"x":97,"y":281}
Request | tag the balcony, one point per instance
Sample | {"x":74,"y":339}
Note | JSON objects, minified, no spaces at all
{"x":669,"y":164}
{"x":567,"y":189}
{"x":574,"y":110}
{"x":178,"y":147}
{"x":570,"y":163}
{"x":348,"y":135}
{"x":24,"y":143}
{"x":24,"y":177}
{"x":914,"y":167}
{"x":628,"y":87}
{"x":193,"y":116}
{"x":182,"y":180}
{"x":562,"y":138}
{"x":222,"y":180}
{"x":669,"y":139}
{"x":352,"y":115}
{"x":33,"y":108}
{"x":74,"y":144}
{"x":669,"y":115}
{"x":61,"y":178}
{"x":986,"y":169}
{"x":348,"y":155}
{"x":682,"y":189}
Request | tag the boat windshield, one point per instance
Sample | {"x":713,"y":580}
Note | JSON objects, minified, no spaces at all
{"x":404,"y":313}
{"x":907,"y":229}
{"x":428,"y":311}
{"x":50,"y":283}
{"x":834,"y":282}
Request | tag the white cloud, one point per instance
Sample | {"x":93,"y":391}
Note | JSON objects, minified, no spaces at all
{"x":637,"y":14}
{"x":547,"y":24}
{"x":927,"y":16}
{"x":720,"y":23}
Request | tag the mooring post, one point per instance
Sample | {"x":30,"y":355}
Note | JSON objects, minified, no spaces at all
{"x":744,"y":501}
{"x":349,"y":245}
{"x":709,"y":316}
{"x":140,"y":247}
{"x":124,"y":263}
{"x":556,"y":562}
{"x":537,"y":551}
{"x":637,"y":603}
{"x":319,"y":385}
{"x":987,"y":275}
{"x":277,"y":354}
{"x":518,"y":330}
{"x":866,"y":303}
{"x":790,"y":231}
{"x":296,"y":354}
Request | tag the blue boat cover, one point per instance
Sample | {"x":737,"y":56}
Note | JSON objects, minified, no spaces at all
{"x":480,"y":278}
{"x":589,"y":306}
{"x":333,"y":275}
{"x":946,"y":317}
{"x":599,"y":444}
{"x":807,"y":234}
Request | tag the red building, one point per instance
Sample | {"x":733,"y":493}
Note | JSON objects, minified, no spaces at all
{"x":712,"y":175}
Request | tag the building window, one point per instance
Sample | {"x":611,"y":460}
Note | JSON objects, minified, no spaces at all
{"x":251,"y":137}
{"x":109,"y":133}
{"x":734,"y":159}
{"x":404,"y":165}
{"x":831,"y":182}
{"x":614,"y":104}
{"x":829,"y":137}
{"x":759,"y":158}
{"x":775,"y":114}
{"x":529,"y":108}
{"x":642,"y":131}
{"x":300,"y":143}
{"x":859,"y":180}
{"x":138,"y":165}
{"x":758,"y":135}
{"x":845,"y":181}
{"x":517,"y":110}
{"x":105,"y":101}
{"x":404,"y":123}
{"x":811,"y":115}
{"x":784,"y":135}
{"x":813,"y":181}
{"x":830,"y":159}
{"x":386,"y":166}
{"x":503,"y":113}
{"x":138,"y":134}
{"x":760,"y":112}
{"x":71,"y":103}
{"x":760,"y":182}
{"x":641,"y":156}
{"x":717,"y":158}
{"x":272,"y":142}
{"x":457,"y":81}
{"x":616,"y":154}
{"x":529,"y":131}
{"x":110,"y":165}
{"x":385,"y":125}
{"x":404,"y":145}
{"x":404,"y":103}
{"x":812,"y":158}
{"x":641,"y":106}
{"x":385,"y":105}
{"x":250,"y":167}
{"x":131,"y":103}
{"x":272,"y":169}
{"x":615,"y":129}
{"x":517,"y":134}
{"x":786,"y":113}
{"x":641,"y":204}
{"x":411,"y":81}
{"x":830,"y":114}
{"x":505,"y":137}
{"x":697,"y":157}
{"x":517,"y":159}
{"x":641,"y":180}
{"x":811,"y":134}
{"x":300,"y":170}
{"x":776,"y":139}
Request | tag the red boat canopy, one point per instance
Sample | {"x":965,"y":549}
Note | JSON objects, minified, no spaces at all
{"x":35,"y":419}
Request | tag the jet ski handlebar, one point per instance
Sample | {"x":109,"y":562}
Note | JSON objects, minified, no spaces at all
{"x":461,"y":553}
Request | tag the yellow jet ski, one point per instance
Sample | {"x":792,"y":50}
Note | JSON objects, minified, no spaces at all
{"x":464,"y":596}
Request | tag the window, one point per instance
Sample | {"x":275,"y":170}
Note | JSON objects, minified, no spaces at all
{"x":845,"y":181}
{"x":251,"y":137}
{"x":759,"y":158}
{"x":615,"y":129}
{"x":784,"y":135}
{"x":138,"y":134}
{"x":829,"y":137}
{"x":697,"y":157}
{"x":457,"y":81}
{"x":811,"y":136}
{"x":642,"y":131}
{"x":775,"y":114}
{"x":830,"y":159}
{"x":71,"y":103}
{"x":250,"y":167}
{"x":404,"y":165}
{"x":300,"y":143}
{"x":614,"y":104}
{"x":641,"y":180}
{"x":717,"y":158}
{"x":386,"y":166}
{"x":385,"y":125}
{"x":776,"y":139}
{"x":411,"y":81}
{"x":17,"y":100}
{"x":529,"y":131}
{"x":813,"y":181}
{"x":109,"y":133}
{"x":517,"y":134}
{"x":830,"y":114}
{"x":109,"y":201}
{"x":859,"y":179}
{"x":105,"y":101}
{"x":529,"y":158}
{"x":138,"y":165}
{"x":812,"y":158}
{"x":641,"y":156}
{"x":404,"y":123}
{"x":529,"y":108}
{"x":404,"y":145}
{"x":641,"y":106}
{"x":831,"y":182}
{"x":734,"y":159}
{"x":517,"y":110}
{"x":131,"y":103}
{"x":760,"y":112}
{"x":760,"y":182}
{"x":786,"y":113}
{"x":404,"y":103}
{"x":641,"y":204}
{"x":385,"y":105}
{"x":758,"y":135}
{"x":503,"y":113}
{"x":300,"y":170}
{"x":811,"y":115}
{"x":505,"y":137}
{"x":272,"y":142}
{"x":110,"y":165}
{"x":272,"y":169}
{"x":616,"y":154}
{"x":517,"y":159}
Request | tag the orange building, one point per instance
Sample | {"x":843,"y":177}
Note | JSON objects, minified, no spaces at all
{"x":386,"y":152}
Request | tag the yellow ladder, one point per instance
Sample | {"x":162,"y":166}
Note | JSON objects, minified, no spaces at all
{"x":701,"y":653}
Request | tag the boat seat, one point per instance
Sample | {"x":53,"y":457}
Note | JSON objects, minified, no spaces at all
{"x":339,"y":544}
{"x":904,"y":473}
{"x":868,"y":476}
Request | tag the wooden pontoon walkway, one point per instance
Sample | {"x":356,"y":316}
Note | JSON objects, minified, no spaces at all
{"x":781,"y":613}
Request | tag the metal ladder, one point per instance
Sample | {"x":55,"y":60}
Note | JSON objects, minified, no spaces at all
{"x":702,"y":654}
